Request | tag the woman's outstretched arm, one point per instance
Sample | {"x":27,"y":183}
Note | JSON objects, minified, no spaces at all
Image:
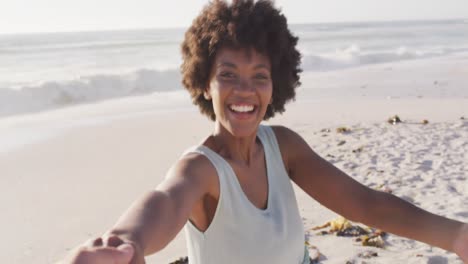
{"x":154,"y":220}
{"x":342,"y":194}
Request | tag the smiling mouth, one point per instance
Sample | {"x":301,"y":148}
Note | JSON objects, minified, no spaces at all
{"x":242,"y":108}
{"x":242,"y":111}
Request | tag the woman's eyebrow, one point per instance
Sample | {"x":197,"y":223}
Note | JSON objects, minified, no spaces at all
{"x":259,"y":66}
{"x":232,"y":65}
{"x":227,"y":64}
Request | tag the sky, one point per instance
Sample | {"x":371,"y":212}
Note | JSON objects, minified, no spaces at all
{"x":21,"y":16}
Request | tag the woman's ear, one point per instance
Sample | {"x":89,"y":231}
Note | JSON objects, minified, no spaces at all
{"x":207,"y":94}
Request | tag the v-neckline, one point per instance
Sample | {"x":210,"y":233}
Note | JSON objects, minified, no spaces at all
{"x":239,"y":186}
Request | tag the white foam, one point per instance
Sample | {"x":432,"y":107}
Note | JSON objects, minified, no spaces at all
{"x":355,"y":56}
{"x":54,"y":94}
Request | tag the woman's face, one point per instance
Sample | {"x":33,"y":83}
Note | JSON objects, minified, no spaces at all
{"x":240,"y":88}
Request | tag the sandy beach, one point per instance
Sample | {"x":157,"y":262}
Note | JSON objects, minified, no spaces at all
{"x":67,"y":174}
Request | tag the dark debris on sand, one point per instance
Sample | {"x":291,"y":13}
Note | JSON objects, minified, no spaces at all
{"x":342,"y":227}
{"x":368,"y":254}
{"x":182,"y":260}
{"x":352,"y":231}
{"x":394,"y":120}
{"x":343,"y":130}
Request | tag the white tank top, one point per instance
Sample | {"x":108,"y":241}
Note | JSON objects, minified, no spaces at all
{"x":242,"y":233}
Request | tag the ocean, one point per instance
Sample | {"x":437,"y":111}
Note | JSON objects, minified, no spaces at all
{"x":46,"y":71}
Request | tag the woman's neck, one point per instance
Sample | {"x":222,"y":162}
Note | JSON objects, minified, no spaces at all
{"x":239,"y":149}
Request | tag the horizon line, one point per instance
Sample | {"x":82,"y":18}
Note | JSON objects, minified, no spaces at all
{"x":185,"y":27}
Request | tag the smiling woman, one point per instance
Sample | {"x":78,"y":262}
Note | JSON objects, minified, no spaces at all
{"x":256,"y":28}
{"x":233,"y":192}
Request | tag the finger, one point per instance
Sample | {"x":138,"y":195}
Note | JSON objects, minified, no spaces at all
{"x":127,"y":250}
{"x":94,"y":242}
{"x":138,"y":257}
{"x":113,"y":241}
{"x":97,"y":242}
{"x":121,"y":255}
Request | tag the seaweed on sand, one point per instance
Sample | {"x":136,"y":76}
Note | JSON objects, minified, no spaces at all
{"x":343,"y":227}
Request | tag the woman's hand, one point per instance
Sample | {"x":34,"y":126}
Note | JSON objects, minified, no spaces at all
{"x":461,"y":244}
{"x":111,"y":249}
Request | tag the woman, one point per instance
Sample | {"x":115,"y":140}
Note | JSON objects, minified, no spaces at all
{"x":233,"y":192}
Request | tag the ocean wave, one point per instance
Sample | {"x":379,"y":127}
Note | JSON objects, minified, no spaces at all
{"x":55,"y":94}
{"x":354,"y":56}
{"x":25,"y":98}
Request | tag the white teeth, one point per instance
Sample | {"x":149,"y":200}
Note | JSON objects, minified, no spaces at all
{"x":242,"y":108}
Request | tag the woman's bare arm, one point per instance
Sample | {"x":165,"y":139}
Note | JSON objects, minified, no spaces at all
{"x":342,"y":194}
{"x":156,"y":218}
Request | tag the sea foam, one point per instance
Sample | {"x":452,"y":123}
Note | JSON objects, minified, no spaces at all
{"x":354,"y":56}
{"x":53,"y":94}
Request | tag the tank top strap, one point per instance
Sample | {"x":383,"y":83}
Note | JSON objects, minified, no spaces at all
{"x":268,"y":137}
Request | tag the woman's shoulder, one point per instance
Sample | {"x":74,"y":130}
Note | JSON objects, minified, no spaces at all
{"x":285,"y":136}
{"x":190,"y":178}
{"x":291,"y":144}
{"x":193,"y":165}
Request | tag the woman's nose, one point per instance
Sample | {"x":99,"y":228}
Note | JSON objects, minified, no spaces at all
{"x":245,"y":86}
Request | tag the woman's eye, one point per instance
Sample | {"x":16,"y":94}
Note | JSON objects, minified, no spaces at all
{"x":261,"y":76}
{"x":227,"y":75}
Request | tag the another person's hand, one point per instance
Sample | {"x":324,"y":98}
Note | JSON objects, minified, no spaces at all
{"x":111,"y":250}
{"x":461,"y":244}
